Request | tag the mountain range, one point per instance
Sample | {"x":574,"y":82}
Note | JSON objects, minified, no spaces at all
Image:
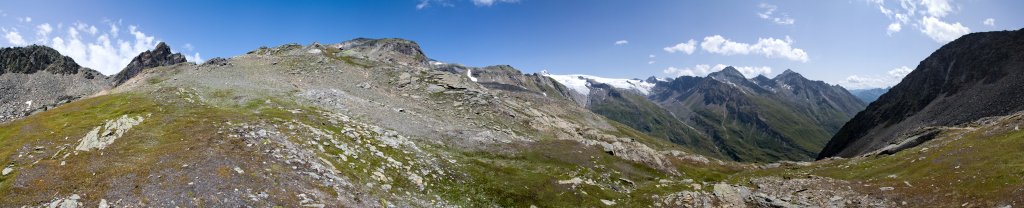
{"x":724,"y":114}
{"x":377,"y":123}
{"x":869,"y":95}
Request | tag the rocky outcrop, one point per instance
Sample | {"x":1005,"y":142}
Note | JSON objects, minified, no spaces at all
{"x":391,"y":50}
{"x":978,"y":75}
{"x":505,"y":77}
{"x":36,"y":78}
{"x":35,"y":58}
{"x":159,"y":56}
{"x":104,"y":135}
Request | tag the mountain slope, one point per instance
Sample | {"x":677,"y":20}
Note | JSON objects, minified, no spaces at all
{"x":978,"y":75}
{"x":724,"y":114}
{"x":318,"y":126}
{"x":36,"y":78}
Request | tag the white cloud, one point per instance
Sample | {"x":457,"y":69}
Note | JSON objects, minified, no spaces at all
{"x":892,"y":77}
{"x":989,"y":22}
{"x":44,"y":30}
{"x":188,"y":47}
{"x":24,"y":19}
{"x":650,"y":62}
{"x":768,"y":13}
{"x":942,"y":32}
{"x":769,"y":47}
{"x":937,"y":8}
{"x":491,"y":2}
{"x":895,"y":27}
{"x":423,"y":4}
{"x":930,"y":13}
{"x":621,"y":42}
{"x":194,"y":58}
{"x":900,"y":72}
{"x":114,"y":30}
{"x":14,"y":38}
{"x":688,"y":47}
{"x":704,"y":70}
{"x":886,"y":12}
{"x":650,"y":56}
{"x":99,"y":49}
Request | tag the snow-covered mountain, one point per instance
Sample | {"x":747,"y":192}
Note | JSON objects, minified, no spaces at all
{"x":582,"y":83}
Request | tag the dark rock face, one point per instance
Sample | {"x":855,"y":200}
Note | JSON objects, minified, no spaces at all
{"x":978,"y":75}
{"x":32,"y":59}
{"x":159,"y":56}
{"x":37,"y":78}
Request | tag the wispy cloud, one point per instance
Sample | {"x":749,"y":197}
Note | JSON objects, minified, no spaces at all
{"x":621,"y":42}
{"x":928,"y":15}
{"x":769,"y":47}
{"x":989,"y":22}
{"x":895,"y":27}
{"x":492,"y":2}
{"x":768,"y":13}
{"x":704,"y":70}
{"x":14,"y":37}
{"x":686,"y":47}
{"x":942,"y":32}
{"x":423,"y":4}
{"x":890,"y":78}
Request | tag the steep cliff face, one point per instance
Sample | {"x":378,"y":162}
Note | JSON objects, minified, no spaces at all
{"x":159,"y":56}
{"x":978,"y":75}
{"x":35,"y":58}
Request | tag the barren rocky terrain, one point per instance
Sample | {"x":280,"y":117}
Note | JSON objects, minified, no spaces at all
{"x":373,"y":123}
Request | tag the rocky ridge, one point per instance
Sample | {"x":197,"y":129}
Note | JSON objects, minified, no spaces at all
{"x":159,"y":56}
{"x":978,"y":75}
{"x":725,"y":114}
{"x":37,"y":78}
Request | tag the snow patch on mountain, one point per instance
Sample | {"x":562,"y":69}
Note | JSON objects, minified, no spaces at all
{"x":580,"y":84}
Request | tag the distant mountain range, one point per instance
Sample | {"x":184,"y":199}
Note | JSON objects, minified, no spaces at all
{"x":724,"y":114}
{"x":869,"y":95}
{"x":375,"y":123}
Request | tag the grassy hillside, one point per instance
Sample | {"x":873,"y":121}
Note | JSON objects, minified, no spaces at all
{"x":973,"y":165}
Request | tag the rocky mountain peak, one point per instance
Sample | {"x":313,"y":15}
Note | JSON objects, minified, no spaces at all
{"x":789,"y":71}
{"x":728,"y":73}
{"x":789,"y":74}
{"x":34,"y":58}
{"x":159,"y":56}
{"x":731,"y":71}
{"x":652,"y":79}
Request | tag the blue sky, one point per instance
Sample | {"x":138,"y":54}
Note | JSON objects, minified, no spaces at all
{"x":855,"y":43}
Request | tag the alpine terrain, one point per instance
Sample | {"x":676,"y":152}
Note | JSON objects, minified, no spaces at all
{"x":724,"y":115}
{"x":379,"y":123}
